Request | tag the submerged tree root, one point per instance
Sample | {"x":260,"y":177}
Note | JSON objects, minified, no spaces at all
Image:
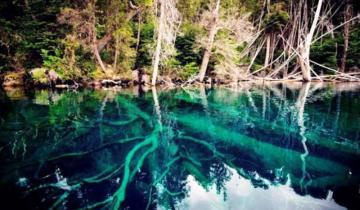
{"x":79,"y":154}
{"x":119,"y":195}
{"x":161,"y":177}
{"x":121,"y":123}
{"x":98,"y":178}
{"x":210,"y":147}
{"x":58,"y":201}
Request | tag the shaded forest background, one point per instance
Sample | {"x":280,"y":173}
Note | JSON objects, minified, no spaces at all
{"x":106,"y":39}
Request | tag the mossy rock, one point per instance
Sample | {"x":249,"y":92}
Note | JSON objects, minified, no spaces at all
{"x":14,"y":79}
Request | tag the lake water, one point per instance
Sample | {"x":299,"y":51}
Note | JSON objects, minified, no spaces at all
{"x":271,"y":146}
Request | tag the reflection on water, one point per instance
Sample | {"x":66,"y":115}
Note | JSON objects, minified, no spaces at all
{"x":294,"y":146}
{"x":241,"y":194}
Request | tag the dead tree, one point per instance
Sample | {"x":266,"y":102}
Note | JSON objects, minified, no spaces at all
{"x":305,"y":45}
{"x":347,"y":17}
{"x":168,"y":24}
{"x":211,"y":38}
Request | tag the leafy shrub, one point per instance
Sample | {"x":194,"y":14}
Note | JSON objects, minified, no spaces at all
{"x":324,"y":52}
{"x":189,"y":70}
{"x":38,"y":75}
{"x":354,"y":48}
{"x":144,"y":58}
{"x":53,"y":61}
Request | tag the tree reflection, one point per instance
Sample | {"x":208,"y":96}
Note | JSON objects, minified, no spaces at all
{"x":300,"y":105}
{"x":116,"y":150}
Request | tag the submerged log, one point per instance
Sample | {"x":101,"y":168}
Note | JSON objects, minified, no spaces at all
{"x":314,"y":138}
{"x":254,"y":146}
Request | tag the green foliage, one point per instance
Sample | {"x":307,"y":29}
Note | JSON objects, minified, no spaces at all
{"x":8,"y":41}
{"x":39,"y":77}
{"x":354,"y":48}
{"x":324,"y":52}
{"x":187,"y":60}
{"x":63,"y":65}
{"x":87,"y":67}
{"x":186,"y":46}
{"x":53,"y":61}
{"x":85,"y":62}
{"x":190,"y":69}
{"x":127,"y":53}
{"x":146,"y":3}
{"x":189,"y":9}
{"x":184,"y":72}
{"x":277,"y":17}
{"x":144,"y":57}
{"x":240,"y":48}
{"x":40,"y":29}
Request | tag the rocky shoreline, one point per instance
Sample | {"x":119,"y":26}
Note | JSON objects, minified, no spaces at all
{"x":22,"y":79}
{"x":26,"y":80}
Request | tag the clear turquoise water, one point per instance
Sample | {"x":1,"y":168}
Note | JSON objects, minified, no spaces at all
{"x":279,"y":146}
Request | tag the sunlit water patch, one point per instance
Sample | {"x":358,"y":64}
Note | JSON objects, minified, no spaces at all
{"x":270,"y":146}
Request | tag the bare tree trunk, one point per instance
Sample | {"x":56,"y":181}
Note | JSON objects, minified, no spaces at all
{"x":305,"y":46}
{"x":304,"y":61}
{"x":255,"y":56}
{"x":116,"y":52}
{"x":95,"y":42}
{"x":347,"y":17}
{"x":98,"y":57}
{"x":138,"y":32}
{"x":158,"y":44}
{"x":101,"y":43}
{"x":204,"y":101}
{"x":268,"y":50}
{"x":268,"y":39}
{"x":156,"y":104}
{"x":207,"y":54}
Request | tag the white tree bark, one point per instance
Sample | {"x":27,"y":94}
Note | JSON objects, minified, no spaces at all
{"x":212,"y":34}
{"x":300,"y":105}
{"x":268,"y":49}
{"x":158,"y":44}
{"x":116,"y":52}
{"x":98,"y":58}
{"x":268,"y":40}
{"x":304,"y":51}
{"x":168,"y":22}
{"x":347,"y":17}
{"x":156,"y":105}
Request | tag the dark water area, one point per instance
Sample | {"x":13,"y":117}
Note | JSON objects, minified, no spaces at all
{"x":270,"y":146}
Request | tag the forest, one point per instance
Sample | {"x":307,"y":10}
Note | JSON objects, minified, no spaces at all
{"x":109,"y":42}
